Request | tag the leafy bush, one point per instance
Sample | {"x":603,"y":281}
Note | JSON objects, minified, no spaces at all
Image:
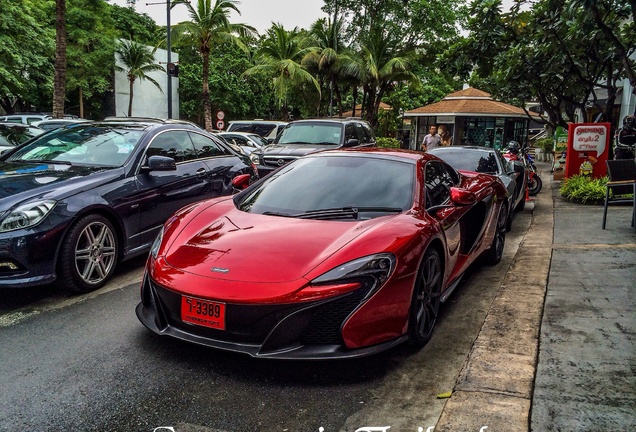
{"x":544,"y":144}
{"x":583,"y":189}
{"x":387,"y":142}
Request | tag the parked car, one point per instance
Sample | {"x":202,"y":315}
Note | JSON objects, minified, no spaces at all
{"x":152,"y":120}
{"x":303,"y":137}
{"x":76,"y":201}
{"x":27,"y":118}
{"x":356,"y":250}
{"x":247,"y":142}
{"x":51,"y":124}
{"x":265,"y":128}
{"x":13,"y":134}
{"x":491,"y":161}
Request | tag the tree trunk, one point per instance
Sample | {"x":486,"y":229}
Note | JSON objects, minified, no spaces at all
{"x":131,"y":81}
{"x":354,"y":95}
{"x":81,"y":103}
{"x":207,"y":110}
{"x":59,"y":82}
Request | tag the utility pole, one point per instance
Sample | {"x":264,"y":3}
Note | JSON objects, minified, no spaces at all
{"x":169,"y":59}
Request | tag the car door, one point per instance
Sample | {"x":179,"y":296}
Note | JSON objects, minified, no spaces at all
{"x":162,"y":193}
{"x":222,"y":164}
{"x":438,"y":179}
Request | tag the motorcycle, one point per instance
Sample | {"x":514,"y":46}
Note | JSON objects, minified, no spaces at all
{"x":520,"y":154}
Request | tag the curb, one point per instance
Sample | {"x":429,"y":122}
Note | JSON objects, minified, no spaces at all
{"x":495,"y":386}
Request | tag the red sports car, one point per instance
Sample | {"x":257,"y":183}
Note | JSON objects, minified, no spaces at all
{"x":338,"y":254}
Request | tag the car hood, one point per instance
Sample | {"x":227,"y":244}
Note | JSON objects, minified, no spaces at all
{"x":255,"y":248}
{"x":273,"y":150}
{"x":20,"y":181}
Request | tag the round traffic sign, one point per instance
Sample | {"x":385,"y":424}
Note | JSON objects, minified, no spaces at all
{"x":220,"y":115}
{"x":220,"y":124}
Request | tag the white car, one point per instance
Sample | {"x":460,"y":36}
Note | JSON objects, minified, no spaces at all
{"x":248,"y":142}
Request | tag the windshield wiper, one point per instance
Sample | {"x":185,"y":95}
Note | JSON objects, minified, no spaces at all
{"x":350,"y":212}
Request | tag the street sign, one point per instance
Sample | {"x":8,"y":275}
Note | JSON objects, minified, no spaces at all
{"x":220,"y":124}
{"x":220,"y":115}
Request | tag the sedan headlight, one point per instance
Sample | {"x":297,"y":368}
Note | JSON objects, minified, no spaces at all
{"x":254,"y":158}
{"x":26,"y":215}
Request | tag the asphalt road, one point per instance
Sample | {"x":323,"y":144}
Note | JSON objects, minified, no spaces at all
{"x":85,"y":363}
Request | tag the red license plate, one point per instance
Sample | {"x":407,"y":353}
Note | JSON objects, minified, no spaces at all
{"x":202,"y":312}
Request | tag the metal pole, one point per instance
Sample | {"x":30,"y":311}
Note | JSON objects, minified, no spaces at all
{"x":169,"y":60}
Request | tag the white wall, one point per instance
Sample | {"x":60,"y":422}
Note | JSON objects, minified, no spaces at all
{"x":148,"y":101}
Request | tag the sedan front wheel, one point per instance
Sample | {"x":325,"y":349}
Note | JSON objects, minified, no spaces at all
{"x":89,"y":255}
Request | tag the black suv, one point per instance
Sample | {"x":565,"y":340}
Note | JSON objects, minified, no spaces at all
{"x":302,"y":137}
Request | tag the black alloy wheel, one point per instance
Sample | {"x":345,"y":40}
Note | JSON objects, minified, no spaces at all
{"x":493,"y":254}
{"x":88,"y":255}
{"x":426,"y":299}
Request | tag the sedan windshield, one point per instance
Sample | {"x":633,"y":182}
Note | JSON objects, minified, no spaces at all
{"x":335,"y":187}
{"x":467,"y":160}
{"x":311,"y":133}
{"x":14,"y":135}
{"x":82,"y":145}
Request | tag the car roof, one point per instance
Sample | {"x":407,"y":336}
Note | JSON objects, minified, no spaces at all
{"x":149,"y":120}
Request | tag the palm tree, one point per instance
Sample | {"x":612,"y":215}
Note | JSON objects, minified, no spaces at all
{"x":59,"y":82}
{"x":382,"y":62}
{"x":209,"y":26}
{"x":138,"y":61}
{"x":280,"y":57}
{"x":331,"y":53}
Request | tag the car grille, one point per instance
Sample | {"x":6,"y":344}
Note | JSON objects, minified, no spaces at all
{"x":277,"y":161}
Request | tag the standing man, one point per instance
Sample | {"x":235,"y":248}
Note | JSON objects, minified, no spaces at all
{"x":625,"y":139}
{"x":431,"y":140}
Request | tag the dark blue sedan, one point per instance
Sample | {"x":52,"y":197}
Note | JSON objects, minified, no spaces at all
{"x":76,"y":201}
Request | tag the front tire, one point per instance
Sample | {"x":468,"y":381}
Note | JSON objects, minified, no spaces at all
{"x":426,"y":299}
{"x":534,"y":185}
{"x":88,"y":255}
{"x":494,"y":253}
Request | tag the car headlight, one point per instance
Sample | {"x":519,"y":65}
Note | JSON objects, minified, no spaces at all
{"x":154,"y":249}
{"x":26,"y":215}
{"x":254,"y":158}
{"x":377,"y":267}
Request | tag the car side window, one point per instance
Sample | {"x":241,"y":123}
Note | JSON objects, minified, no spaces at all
{"x":174,"y":144}
{"x":207,"y":147}
{"x":350,"y":132}
{"x":362,"y":136}
{"x":263,"y":129}
{"x":438,"y":181}
{"x":369,"y":132}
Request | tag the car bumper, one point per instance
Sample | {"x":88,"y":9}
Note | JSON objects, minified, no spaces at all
{"x":308,"y":331}
{"x":27,"y":257}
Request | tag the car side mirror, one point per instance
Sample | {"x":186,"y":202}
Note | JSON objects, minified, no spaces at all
{"x":352,"y":142}
{"x":241,"y":182}
{"x":160,"y":163}
{"x":461,"y":196}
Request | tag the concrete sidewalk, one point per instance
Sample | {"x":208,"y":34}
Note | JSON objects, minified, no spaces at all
{"x":569,"y":366}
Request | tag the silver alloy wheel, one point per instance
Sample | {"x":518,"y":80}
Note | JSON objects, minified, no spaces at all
{"x":95,"y":252}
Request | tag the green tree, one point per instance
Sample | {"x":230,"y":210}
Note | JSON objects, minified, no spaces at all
{"x":134,"y":26}
{"x":25,"y":73}
{"x":138,"y":61}
{"x":90,"y":49}
{"x":209,"y":27}
{"x":279,"y":58}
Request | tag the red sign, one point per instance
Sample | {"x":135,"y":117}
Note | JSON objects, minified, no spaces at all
{"x":220,"y":115}
{"x":588,"y":146}
{"x":220,"y":124}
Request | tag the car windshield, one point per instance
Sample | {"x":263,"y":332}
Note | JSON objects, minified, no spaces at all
{"x":311,"y":133}
{"x":468,"y":160}
{"x":360,"y":187}
{"x":96,"y":145}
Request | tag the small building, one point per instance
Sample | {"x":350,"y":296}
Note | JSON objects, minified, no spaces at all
{"x":473,"y":118}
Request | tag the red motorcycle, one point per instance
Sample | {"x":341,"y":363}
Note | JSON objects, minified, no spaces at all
{"x":516,"y":153}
